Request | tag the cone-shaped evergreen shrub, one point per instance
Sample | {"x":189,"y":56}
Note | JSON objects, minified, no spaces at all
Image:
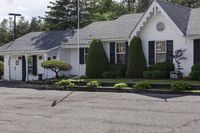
{"x":136,"y":59}
{"x":97,"y":61}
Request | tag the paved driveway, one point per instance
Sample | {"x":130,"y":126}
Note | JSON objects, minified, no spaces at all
{"x":30,"y":111}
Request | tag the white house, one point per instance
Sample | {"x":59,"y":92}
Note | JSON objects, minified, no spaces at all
{"x":163,"y":28}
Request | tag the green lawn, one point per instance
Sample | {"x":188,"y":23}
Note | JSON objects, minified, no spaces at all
{"x":152,"y":81}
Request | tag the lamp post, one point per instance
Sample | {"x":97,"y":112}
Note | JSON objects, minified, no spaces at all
{"x":78,"y":34}
{"x":14,"y":28}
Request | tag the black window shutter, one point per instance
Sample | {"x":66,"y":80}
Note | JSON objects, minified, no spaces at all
{"x":170,"y":51}
{"x":126,"y":56}
{"x":23,"y":68}
{"x":34,"y":65}
{"x":81,"y":56}
{"x":196,"y":51}
{"x":151,"y":52}
{"x":112,"y":53}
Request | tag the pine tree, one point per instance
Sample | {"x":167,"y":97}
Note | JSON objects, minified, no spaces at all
{"x":97,"y":61}
{"x":63,"y":14}
{"x":136,"y":59}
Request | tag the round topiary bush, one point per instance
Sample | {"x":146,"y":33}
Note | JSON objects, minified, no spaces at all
{"x":56,"y":66}
{"x":136,"y":59}
{"x":97,"y":62}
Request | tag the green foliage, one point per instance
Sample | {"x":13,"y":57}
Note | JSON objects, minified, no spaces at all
{"x":92,"y":84}
{"x":90,"y":11}
{"x":97,"y":62}
{"x":158,"y":71}
{"x":115,"y":71}
{"x":180,"y":86}
{"x":120,"y":85}
{"x":136,"y":59}
{"x":1,"y":68}
{"x":142,"y":85}
{"x":56,"y":66}
{"x":67,"y":83}
{"x":195,"y":73}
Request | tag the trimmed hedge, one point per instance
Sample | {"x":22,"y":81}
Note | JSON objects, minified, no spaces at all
{"x":115,"y":71}
{"x":97,"y":62}
{"x":136,"y":59}
{"x":159,"y":71}
{"x":195,"y":73}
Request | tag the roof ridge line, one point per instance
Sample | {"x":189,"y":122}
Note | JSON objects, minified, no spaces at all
{"x":174,"y":4}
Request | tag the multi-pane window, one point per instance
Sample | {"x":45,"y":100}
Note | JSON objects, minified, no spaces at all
{"x":30,"y":65}
{"x":161,"y":51}
{"x":85,"y":55}
{"x":121,"y":53}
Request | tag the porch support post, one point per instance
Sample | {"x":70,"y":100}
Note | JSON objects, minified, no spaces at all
{"x":45,"y":71}
{"x":59,"y":51}
{"x":26,"y":58}
{"x":9,"y":67}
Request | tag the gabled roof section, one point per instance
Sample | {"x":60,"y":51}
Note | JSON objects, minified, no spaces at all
{"x":194,"y":22}
{"x":115,"y":29}
{"x":179,"y":14}
{"x":35,"y":41}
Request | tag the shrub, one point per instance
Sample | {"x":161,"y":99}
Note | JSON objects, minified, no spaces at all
{"x":136,"y":59}
{"x":147,"y":74}
{"x":1,"y":68}
{"x":142,"y":85}
{"x":180,"y":86}
{"x":115,"y":71}
{"x":195,"y":73}
{"x":120,"y":85}
{"x":71,"y":85}
{"x":97,"y":62}
{"x":56,"y":66}
{"x":67,"y":83}
{"x":92,"y":84}
{"x":159,"y":70}
{"x":111,"y":74}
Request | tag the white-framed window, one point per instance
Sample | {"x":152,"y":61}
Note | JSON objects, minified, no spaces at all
{"x":160,"y":51}
{"x":85,"y":55}
{"x":121,"y":53}
{"x":30,"y":65}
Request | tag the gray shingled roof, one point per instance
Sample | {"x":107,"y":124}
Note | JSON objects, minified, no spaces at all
{"x":119,"y":28}
{"x":194,"y":22}
{"x":179,"y":14}
{"x":35,"y":41}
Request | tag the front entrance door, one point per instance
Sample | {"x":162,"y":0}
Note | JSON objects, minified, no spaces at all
{"x":23,"y":68}
{"x":196,"y":51}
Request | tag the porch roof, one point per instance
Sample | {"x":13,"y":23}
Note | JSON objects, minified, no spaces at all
{"x":37,"y":41}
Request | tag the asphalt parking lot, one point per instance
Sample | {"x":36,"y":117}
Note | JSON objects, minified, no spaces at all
{"x":30,"y":111}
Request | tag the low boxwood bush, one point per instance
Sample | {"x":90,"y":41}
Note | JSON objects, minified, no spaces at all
{"x":180,"y":86}
{"x":111,"y":74}
{"x":92,"y":84}
{"x":120,"y":85}
{"x":67,"y":83}
{"x":195,"y":73}
{"x":115,"y":71}
{"x":158,"y":71}
{"x":142,"y":85}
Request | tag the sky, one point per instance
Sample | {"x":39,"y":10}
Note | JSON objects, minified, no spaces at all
{"x":28,"y":8}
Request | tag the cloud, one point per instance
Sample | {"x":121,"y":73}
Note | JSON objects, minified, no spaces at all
{"x":28,"y":8}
